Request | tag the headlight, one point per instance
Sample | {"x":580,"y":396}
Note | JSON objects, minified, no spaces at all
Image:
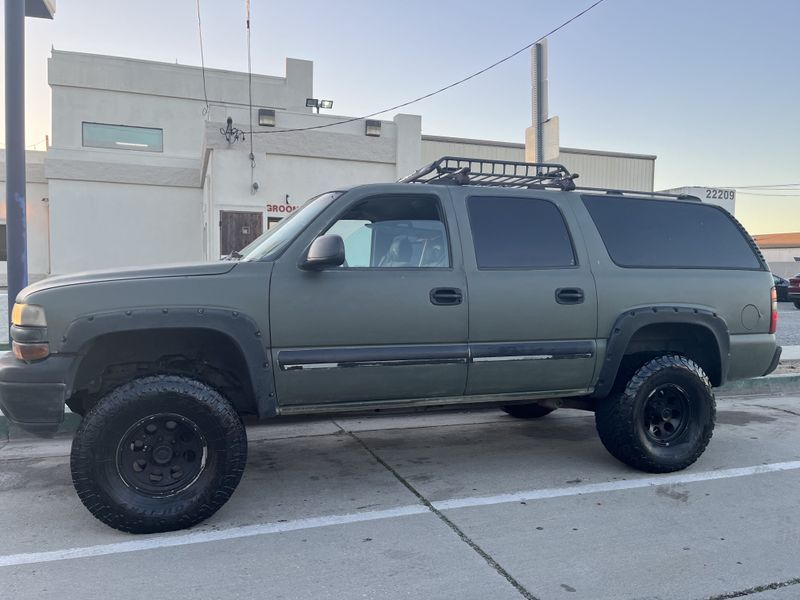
{"x":28,"y":315}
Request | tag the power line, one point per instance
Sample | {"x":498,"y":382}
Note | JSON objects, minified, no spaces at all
{"x":441,"y":89}
{"x":771,"y":195}
{"x":774,"y":186}
{"x":202,"y":58}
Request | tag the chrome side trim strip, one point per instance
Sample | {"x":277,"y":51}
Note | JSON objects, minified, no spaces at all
{"x":434,"y":354}
{"x":374,"y":363}
{"x":478,"y":359}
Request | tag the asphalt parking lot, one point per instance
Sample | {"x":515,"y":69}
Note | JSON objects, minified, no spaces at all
{"x":443,"y":505}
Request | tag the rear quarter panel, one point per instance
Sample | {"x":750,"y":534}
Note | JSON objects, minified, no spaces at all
{"x":740,"y":297}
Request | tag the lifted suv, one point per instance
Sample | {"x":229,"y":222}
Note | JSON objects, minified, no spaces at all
{"x":469,"y":282}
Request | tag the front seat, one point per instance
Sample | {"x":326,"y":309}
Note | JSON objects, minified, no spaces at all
{"x":399,"y":254}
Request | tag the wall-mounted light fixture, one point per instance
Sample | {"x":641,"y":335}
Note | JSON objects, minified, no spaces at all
{"x":316,"y":103}
{"x":266,"y":117}
{"x":372,"y":128}
{"x":231,"y":133}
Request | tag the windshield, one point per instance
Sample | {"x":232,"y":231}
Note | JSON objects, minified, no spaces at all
{"x":273,"y":241}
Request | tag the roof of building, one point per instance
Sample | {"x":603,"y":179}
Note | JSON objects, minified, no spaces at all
{"x":778,"y":240}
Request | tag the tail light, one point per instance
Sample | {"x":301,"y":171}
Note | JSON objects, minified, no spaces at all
{"x":773,"y":317}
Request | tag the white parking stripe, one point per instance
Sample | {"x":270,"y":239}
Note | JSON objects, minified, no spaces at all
{"x":613,"y":486}
{"x":200,"y":537}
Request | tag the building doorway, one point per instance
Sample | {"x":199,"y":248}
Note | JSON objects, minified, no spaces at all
{"x":237,"y":229}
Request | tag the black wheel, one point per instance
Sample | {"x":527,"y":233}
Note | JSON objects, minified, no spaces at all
{"x":664,"y":418}
{"x":157,"y":454}
{"x":527,"y":411}
{"x":796,"y":304}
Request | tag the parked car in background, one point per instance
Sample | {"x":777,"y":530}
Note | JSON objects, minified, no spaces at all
{"x":781,"y":287}
{"x":793,"y":291}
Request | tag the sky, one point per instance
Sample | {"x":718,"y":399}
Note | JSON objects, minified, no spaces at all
{"x":712,"y":87}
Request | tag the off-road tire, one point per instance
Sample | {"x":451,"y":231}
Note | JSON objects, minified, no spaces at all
{"x":99,"y":474}
{"x":626,"y":432}
{"x":527,"y":411}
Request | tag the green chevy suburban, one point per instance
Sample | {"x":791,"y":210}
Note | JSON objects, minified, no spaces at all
{"x":468,"y":282}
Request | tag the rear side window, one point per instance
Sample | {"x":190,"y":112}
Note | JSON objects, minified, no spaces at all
{"x":670,"y":234}
{"x":519,"y":233}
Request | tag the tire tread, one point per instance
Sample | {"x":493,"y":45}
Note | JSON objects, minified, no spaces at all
{"x":614,"y":417}
{"x":132,"y":519}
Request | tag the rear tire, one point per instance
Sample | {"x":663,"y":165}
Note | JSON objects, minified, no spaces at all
{"x":664,"y":418}
{"x":796,"y":304}
{"x":527,"y":411}
{"x":158,"y":454}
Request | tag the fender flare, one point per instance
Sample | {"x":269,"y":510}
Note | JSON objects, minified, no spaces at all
{"x":631,"y":321}
{"x":240,"y":328}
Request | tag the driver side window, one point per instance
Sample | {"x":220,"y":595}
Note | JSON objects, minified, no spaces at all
{"x":394,"y":231}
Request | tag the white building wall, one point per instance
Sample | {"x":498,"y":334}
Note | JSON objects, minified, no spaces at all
{"x":782,"y":261}
{"x":596,"y":168}
{"x":609,"y":169}
{"x":95,"y":190}
{"x":37,"y":210}
{"x":435,"y":147}
{"x":109,"y":225}
{"x":289,"y":176}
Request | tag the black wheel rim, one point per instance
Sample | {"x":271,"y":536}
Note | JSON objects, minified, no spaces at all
{"x":161,"y":455}
{"x":667,"y":414}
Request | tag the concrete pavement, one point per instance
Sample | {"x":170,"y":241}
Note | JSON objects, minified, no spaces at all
{"x":442,"y":505}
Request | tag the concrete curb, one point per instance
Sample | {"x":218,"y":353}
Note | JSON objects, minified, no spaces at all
{"x":758,"y":386}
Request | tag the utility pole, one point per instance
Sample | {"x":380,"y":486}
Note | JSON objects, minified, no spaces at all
{"x":16,"y":232}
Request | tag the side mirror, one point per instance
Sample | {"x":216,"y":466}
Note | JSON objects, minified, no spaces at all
{"x":325,"y":251}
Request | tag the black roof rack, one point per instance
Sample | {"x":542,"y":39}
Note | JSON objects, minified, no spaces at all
{"x":454,"y":170}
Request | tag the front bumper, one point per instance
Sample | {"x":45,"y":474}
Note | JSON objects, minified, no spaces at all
{"x":32,"y":395}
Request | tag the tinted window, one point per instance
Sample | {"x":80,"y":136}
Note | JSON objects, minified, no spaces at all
{"x":519,"y":233}
{"x":394,"y":232}
{"x":667,"y":233}
{"x":123,"y":137}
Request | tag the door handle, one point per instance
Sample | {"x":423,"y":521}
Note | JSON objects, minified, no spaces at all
{"x":569,"y":295}
{"x":446,"y":296}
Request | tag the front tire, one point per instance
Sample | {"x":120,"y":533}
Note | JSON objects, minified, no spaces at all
{"x":158,"y":454}
{"x":664,"y":418}
{"x":796,"y":304}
